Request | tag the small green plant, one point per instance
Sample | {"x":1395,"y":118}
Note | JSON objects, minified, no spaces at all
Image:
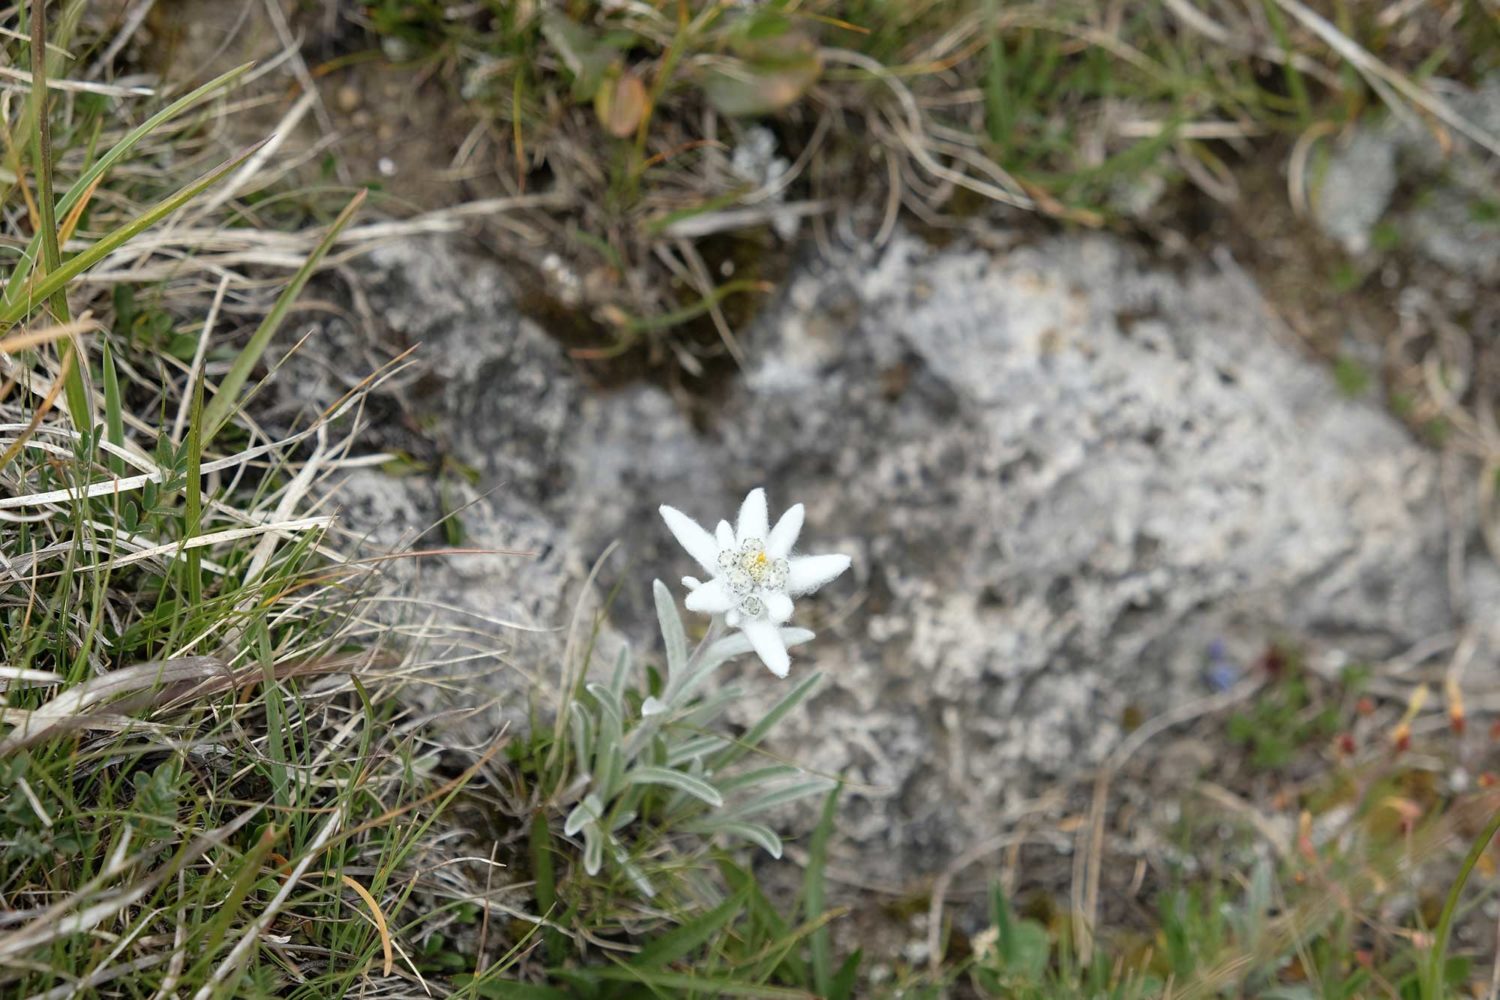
{"x":1284,"y":718}
{"x":1011,"y":952}
{"x":1352,"y":376}
{"x":658,"y":760}
{"x":639,"y":779}
{"x":640,"y":761}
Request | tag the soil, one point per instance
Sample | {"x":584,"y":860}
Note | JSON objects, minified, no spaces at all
{"x":397,"y":130}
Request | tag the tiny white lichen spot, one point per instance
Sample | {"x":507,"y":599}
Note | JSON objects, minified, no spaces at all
{"x":753,"y":574}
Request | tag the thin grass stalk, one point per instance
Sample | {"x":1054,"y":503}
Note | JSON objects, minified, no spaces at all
{"x":194,"y":496}
{"x":216,"y":415}
{"x":41,"y":154}
{"x":1432,"y":977}
{"x":114,"y":412}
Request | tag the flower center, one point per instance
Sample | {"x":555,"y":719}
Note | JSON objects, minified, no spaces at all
{"x":749,"y":569}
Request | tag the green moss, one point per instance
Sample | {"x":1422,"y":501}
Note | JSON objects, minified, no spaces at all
{"x":1352,"y":376}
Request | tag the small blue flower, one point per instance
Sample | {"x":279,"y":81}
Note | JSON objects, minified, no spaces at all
{"x":1221,"y":672}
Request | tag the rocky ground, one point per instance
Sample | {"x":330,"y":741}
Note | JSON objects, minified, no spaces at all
{"x":1088,"y":479}
{"x":1080,"y":489}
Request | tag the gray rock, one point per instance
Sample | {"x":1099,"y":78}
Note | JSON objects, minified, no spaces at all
{"x":1451,"y":219}
{"x":1062,"y":473}
{"x":1456,"y":231}
{"x":484,"y":419}
{"x":1356,"y":188}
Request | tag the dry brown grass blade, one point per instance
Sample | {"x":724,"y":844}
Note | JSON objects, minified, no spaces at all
{"x":75,"y":702}
{"x":70,"y":222}
{"x":28,"y":339}
{"x":379,"y":917}
{"x":48,"y":401}
{"x":156,"y":686}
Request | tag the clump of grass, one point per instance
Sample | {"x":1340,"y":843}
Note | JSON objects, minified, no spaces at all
{"x":211,"y":788}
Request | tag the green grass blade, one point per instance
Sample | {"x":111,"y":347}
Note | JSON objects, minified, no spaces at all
{"x":194,"y":500}
{"x":41,"y":161}
{"x":758,"y":732}
{"x":813,"y":897}
{"x":1293,"y":76}
{"x":227,"y":909}
{"x":781,"y":952}
{"x":546,"y":882}
{"x":997,"y":96}
{"x":227,"y":397}
{"x":277,"y":761}
{"x":145,"y":128}
{"x":116,"y":153}
{"x":681,"y":941}
{"x":41,"y":150}
{"x":841,"y":987}
{"x":765,"y":915}
{"x":769,"y":940}
{"x":1432,"y":972}
{"x":14,"y":309}
{"x":114,"y":417}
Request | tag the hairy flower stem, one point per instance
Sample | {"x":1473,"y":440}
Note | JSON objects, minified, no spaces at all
{"x":714,"y":633}
{"x":647,"y":728}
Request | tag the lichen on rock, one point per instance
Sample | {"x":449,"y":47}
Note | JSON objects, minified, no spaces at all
{"x":1064,"y":474}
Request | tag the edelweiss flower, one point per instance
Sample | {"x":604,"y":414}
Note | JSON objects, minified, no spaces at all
{"x":754,"y":575}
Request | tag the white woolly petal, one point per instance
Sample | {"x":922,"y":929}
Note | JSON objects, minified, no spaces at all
{"x":807,"y":573}
{"x":691,"y":582}
{"x":753,"y":518}
{"x":724,"y":535}
{"x":766,"y":639}
{"x":713,"y":598}
{"x":691,"y":536}
{"x":784,"y":535}
{"x":778,"y":607}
